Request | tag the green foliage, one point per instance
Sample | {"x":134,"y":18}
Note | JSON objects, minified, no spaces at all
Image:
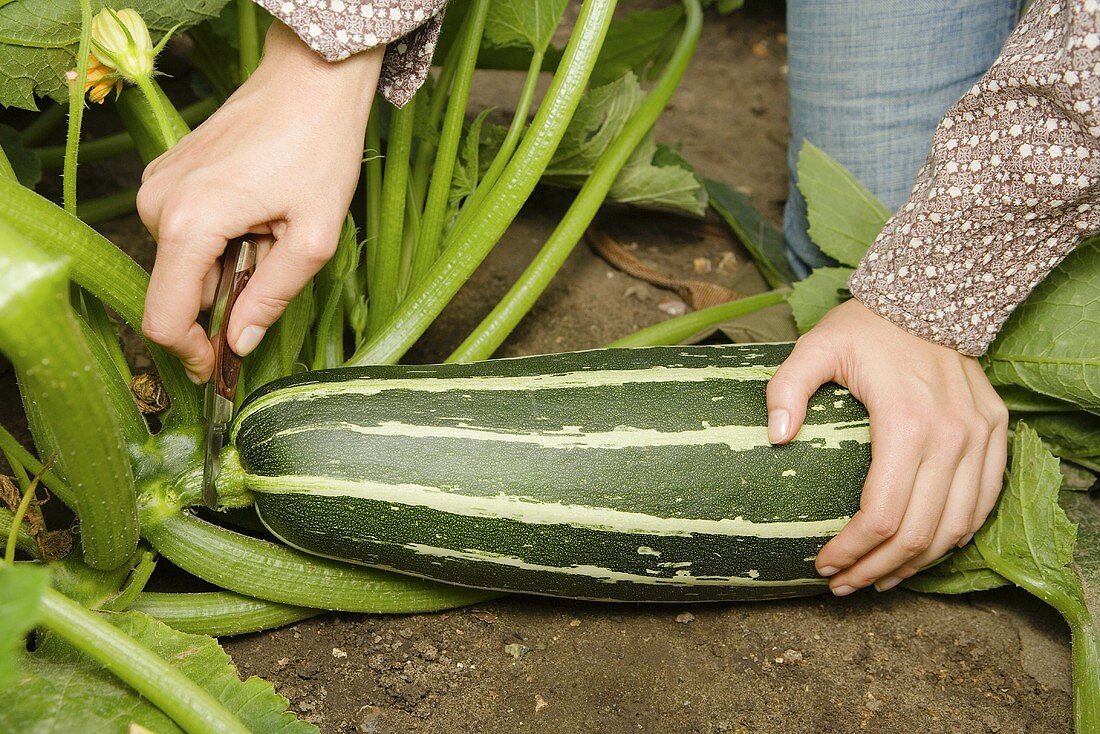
{"x":38,"y":39}
{"x":1071,"y":436}
{"x":525,"y":23}
{"x":962,"y":572}
{"x":1049,"y":344}
{"x":760,"y":237}
{"x":814,"y":296}
{"x":24,"y":161}
{"x":844,"y":216}
{"x":63,"y":691}
{"x":20,"y":589}
{"x":638,"y":42}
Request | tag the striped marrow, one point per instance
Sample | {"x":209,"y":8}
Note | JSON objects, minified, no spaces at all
{"x":622,"y":474}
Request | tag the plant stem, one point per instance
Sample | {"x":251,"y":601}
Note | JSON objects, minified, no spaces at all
{"x":109,"y":206}
{"x":42,"y":125}
{"x":248,"y":38}
{"x":511,"y":138}
{"x":435,"y":209}
{"x":521,"y":297}
{"x":466,"y":248}
{"x":1086,"y":680}
{"x":158,"y":103}
{"x":372,"y":222}
{"x":118,"y":143}
{"x":135,"y":582}
{"x":115,"y":379}
{"x":218,"y":613}
{"x":104,"y":270}
{"x":6,"y":171}
{"x":23,"y":539}
{"x":675,"y":330}
{"x":17,"y":521}
{"x":192,"y":708}
{"x":76,"y":108}
{"x":51,"y":361}
{"x":384,"y":270}
{"x":54,"y":483}
{"x":436,"y":104}
{"x":274,"y":572}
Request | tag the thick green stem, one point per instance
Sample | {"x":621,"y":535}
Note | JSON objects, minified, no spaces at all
{"x":109,"y":206}
{"x":372,"y":223}
{"x":41,"y":336}
{"x":384,"y":270}
{"x":76,"y":108}
{"x":521,"y":297}
{"x":266,"y":570}
{"x":466,"y":248}
{"x":155,"y":99}
{"x":218,"y":613}
{"x":151,"y":119}
{"x":1086,"y":676}
{"x":248,"y":37}
{"x":435,"y":209}
{"x":135,"y":583}
{"x":102,"y":269}
{"x":116,"y":385}
{"x":511,"y":139}
{"x":677,"y":329}
{"x":118,"y":143}
{"x":42,"y":125}
{"x":192,"y":708}
{"x":436,"y":104}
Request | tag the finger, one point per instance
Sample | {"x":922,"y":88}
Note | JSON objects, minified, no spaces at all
{"x":895,"y":452}
{"x":295,"y":258}
{"x":210,"y":286}
{"x":992,"y":479}
{"x":954,"y":524}
{"x":811,"y":364}
{"x":917,"y":530}
{"x":175,"y":294}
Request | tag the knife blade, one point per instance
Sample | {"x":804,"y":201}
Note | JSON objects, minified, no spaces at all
{"x":238,"y":264}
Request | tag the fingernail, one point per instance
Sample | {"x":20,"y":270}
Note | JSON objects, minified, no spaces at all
{"x":966,"y":540}
{"x":888,"y":583}
{"x":193,"y":377}
{"x":843,"y":590}
{"x":828,"y":570}
{"x":249,"y":340}
{"x":779,"y":422}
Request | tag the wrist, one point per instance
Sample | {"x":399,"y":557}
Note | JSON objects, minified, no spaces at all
{"x":290,"y":63}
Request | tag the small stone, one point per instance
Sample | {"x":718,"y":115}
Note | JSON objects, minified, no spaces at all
{"x":728,"y":264}
{"x":672,"y":306}
{"x":516,"y":650}
{"x":540,"y":703}
{"x":685,"y":618}
{"x":703,"y":265}
{"x":760,"y":50}
{"x":338,"y":653}
{"x":483,"y":616}
{"x":574,"y":623}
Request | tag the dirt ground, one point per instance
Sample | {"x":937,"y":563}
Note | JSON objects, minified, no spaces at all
{"x":900,"y":662}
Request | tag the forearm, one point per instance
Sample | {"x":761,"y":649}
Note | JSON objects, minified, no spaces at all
{"x":1008,"y":190}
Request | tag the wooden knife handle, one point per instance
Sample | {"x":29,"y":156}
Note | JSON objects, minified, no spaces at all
{"x":238,"y":264}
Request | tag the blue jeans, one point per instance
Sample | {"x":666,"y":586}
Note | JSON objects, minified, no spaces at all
{"x":869,"y":81}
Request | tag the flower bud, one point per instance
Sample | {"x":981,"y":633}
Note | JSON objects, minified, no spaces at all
{"x":101,"y":80}
{"x":121,"y":40}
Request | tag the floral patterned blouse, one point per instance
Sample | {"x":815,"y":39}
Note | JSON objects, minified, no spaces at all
{"x":1008,"y":189}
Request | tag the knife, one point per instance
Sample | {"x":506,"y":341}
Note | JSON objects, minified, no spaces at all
{"x":238,"y":264}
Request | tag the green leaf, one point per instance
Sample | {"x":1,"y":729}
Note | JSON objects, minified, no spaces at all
{"x":638,"y":42}
{"x":1029,"y":539}
{"x":844,"y":216}
{"x":23,"y":160}
{"x":38,"y":41}
{"x":525,"y":23}
{"x":63,"y":691}
{"x":1084,"y":510}
{"x":655,"y":175}
{"x":1021,"y":400}
{"x":962,"y":572}
{"x":20,"y":588}
{"x":658,"y":176}
{"x":760,"y":237}
{"x":813,"y":297}
{"x":1071,"y":436}
{"x":1049,"y":345}
{"x":467,"y":172}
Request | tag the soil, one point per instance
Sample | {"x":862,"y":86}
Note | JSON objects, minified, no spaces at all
{"x":898,"y":662}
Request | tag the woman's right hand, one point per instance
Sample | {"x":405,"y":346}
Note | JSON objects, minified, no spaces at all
{"x":279,"y":159}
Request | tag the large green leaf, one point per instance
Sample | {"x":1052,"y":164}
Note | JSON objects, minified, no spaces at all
{"x":813,"y":297}
{"x":38,"y":40}
{"x":638,"y":42}
{"x":962,"y":572}
{"x":23,"y":160}
{"x":1071,"y":436}
{"x":844,"y":216}
{"x":658,"y":176}
{"x":525,"y":23}
{"x":21,"y":587}
{"x":63,"y":692}
{"x":1050,"y":344}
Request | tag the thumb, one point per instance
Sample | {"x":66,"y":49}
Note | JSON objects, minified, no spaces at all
{"x":811,"y":364}
{"x":297,"y":255}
